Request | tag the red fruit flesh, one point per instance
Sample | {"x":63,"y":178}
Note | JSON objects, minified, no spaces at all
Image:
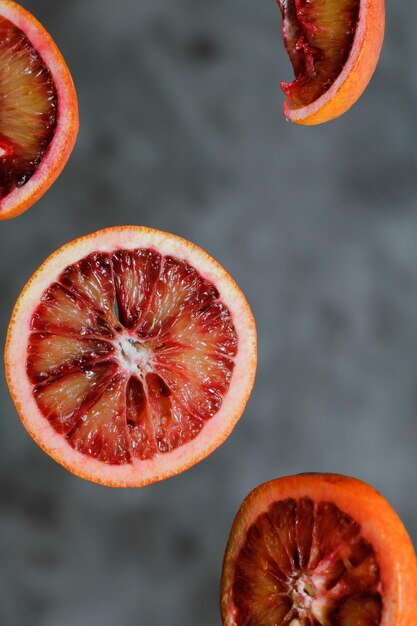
{"x":306,"y":564}
{"x":28,"y":108}
{"x":130,"y":353}
{"x":318,"y":36}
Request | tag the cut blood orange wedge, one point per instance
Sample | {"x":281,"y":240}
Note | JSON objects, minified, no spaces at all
{"x":38,"y":110}
{"x":130,"y":355}
{"x":318,"y":550}
{"x":334,"y":47}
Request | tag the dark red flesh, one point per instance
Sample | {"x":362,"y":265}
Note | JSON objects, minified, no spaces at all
{"x":318,"y":36}
{"x":28,"y":108}
{"x":130,"y":353}
{"x":306,"y":564}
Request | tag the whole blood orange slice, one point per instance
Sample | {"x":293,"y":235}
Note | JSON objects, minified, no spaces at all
{"x":38,"y":110}
{"x":334,"y":47}
{"x":318,"y":550}
{"x":130,"y":355}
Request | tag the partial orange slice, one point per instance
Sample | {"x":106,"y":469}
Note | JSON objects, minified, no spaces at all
{"x":130,"y":355}
{"x":318,"y":550}
{"x":38,"y":110}
{"x":334,"y":47}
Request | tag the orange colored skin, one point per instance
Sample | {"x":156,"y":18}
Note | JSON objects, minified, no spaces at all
{"x":380,"y":525}
{"x":82,"y":470}
{"x":21,"y":17}
{"x":358,"y":70}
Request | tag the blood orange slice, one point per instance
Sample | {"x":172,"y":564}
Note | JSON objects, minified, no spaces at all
{"x":38,"y":109}
{"x":130,"y":355}
{"x":318,"y":550}
{"x":334,"y":47}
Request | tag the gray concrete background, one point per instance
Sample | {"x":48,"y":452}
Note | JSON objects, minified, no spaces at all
{"x":181,"y":129}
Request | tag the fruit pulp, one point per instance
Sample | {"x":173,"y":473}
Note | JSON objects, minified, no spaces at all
{"x":305,"y":563}
{"x":130,"y":354}
{"x":318,"y":36}
{"x":28,"y":108}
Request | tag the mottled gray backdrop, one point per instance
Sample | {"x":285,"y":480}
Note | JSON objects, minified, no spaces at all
{"x":181,"y":129}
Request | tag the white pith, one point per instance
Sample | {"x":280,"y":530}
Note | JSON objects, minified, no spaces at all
{"x":302,"y":595}
{"x":308,"y":596}
{"x":133,"y":356}
{"x":216,"y":429}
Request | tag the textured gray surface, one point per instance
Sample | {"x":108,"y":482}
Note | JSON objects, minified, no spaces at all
{"x":181,"y":130}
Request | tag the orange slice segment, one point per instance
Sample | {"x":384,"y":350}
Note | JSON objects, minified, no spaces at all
{"x":334,"y":47}
{"x":318,"y":550}
{"x":38,"y":110}
{"x":130,"y":356}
